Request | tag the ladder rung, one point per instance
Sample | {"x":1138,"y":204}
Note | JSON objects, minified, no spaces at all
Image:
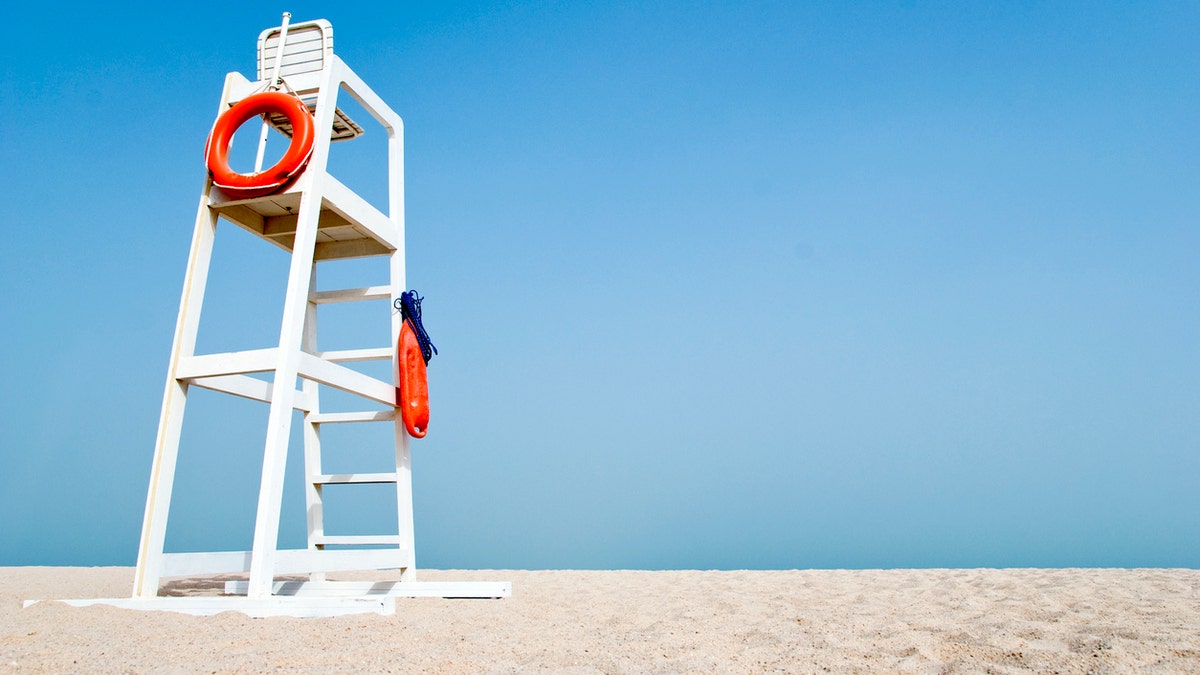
{"x":348,"y":355}
{"x":349,"y":478}
{"x":351,"y":295}
{"x":366,"y":416}
{"x":356,"y":540}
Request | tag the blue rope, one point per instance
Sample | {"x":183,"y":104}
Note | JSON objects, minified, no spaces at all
{"x":409,"y":305}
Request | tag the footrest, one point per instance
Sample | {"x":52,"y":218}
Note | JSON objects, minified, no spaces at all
{"x":357,"y":540}
{"x":353,"y":478}
{"x":344,"y":417}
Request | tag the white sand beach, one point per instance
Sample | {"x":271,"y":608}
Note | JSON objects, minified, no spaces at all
{"x":920,"y":621}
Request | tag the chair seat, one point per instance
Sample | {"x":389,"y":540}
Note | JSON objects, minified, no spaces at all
{"x":344,"y":128}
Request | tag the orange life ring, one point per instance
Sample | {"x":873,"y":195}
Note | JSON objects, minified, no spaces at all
{"x":216,"y":152}
{"x":412,"y":383}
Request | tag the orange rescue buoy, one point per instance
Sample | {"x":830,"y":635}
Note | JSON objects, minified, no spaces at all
{"x":216,"y":152}
{"x":412,"y":390}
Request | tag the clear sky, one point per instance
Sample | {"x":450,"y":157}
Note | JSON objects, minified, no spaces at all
{"x":715,"y":285}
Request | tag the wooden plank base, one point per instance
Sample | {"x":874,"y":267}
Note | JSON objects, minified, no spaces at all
{"x":381,"y":589}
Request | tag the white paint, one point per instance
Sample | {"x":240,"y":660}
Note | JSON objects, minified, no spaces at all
{"x":316,"y":218}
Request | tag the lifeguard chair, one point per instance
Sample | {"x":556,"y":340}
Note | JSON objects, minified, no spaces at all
{"x":315,"y":218}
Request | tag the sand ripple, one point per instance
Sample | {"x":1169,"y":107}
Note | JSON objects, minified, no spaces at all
{"x":920,"y":621}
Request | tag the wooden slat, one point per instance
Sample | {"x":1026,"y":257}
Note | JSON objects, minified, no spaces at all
{"x":299,"y":57}
{"x":344,"y":128}
{"x":343,"y":417}
{"x":355,"y":248}
{"x":244,"y":217}
{"x":299,"y":562}
{"x":356,"y":355}
{"x":357,"y":540}
{"x":305,"y":51}
{"x":298,"y":38}
{"x":193,"y":564}
{"x":351,"y":295}
{"x":304,"y":35}
{"x":301,"y":47}
{"x":366,"y":589}
{"x":353,"y":478}
{"x":282,"y":225}
{"x":305,"y":58}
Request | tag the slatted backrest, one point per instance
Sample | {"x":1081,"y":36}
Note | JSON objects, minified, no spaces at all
{"x":309,"y":44}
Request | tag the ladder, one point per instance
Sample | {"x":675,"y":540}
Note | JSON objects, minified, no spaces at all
{"x":315,"y":219}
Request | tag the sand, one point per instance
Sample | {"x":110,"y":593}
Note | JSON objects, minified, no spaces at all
{"x":920,"y":621}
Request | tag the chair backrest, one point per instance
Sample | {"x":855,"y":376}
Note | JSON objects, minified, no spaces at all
{"x":308,"y":48}
{"x":309,"y":45}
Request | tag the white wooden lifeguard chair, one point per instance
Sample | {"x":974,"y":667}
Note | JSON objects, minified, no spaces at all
{"x":316,"y":218}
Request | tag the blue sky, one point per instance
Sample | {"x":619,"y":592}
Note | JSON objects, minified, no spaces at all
{"x":723,"y":285}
